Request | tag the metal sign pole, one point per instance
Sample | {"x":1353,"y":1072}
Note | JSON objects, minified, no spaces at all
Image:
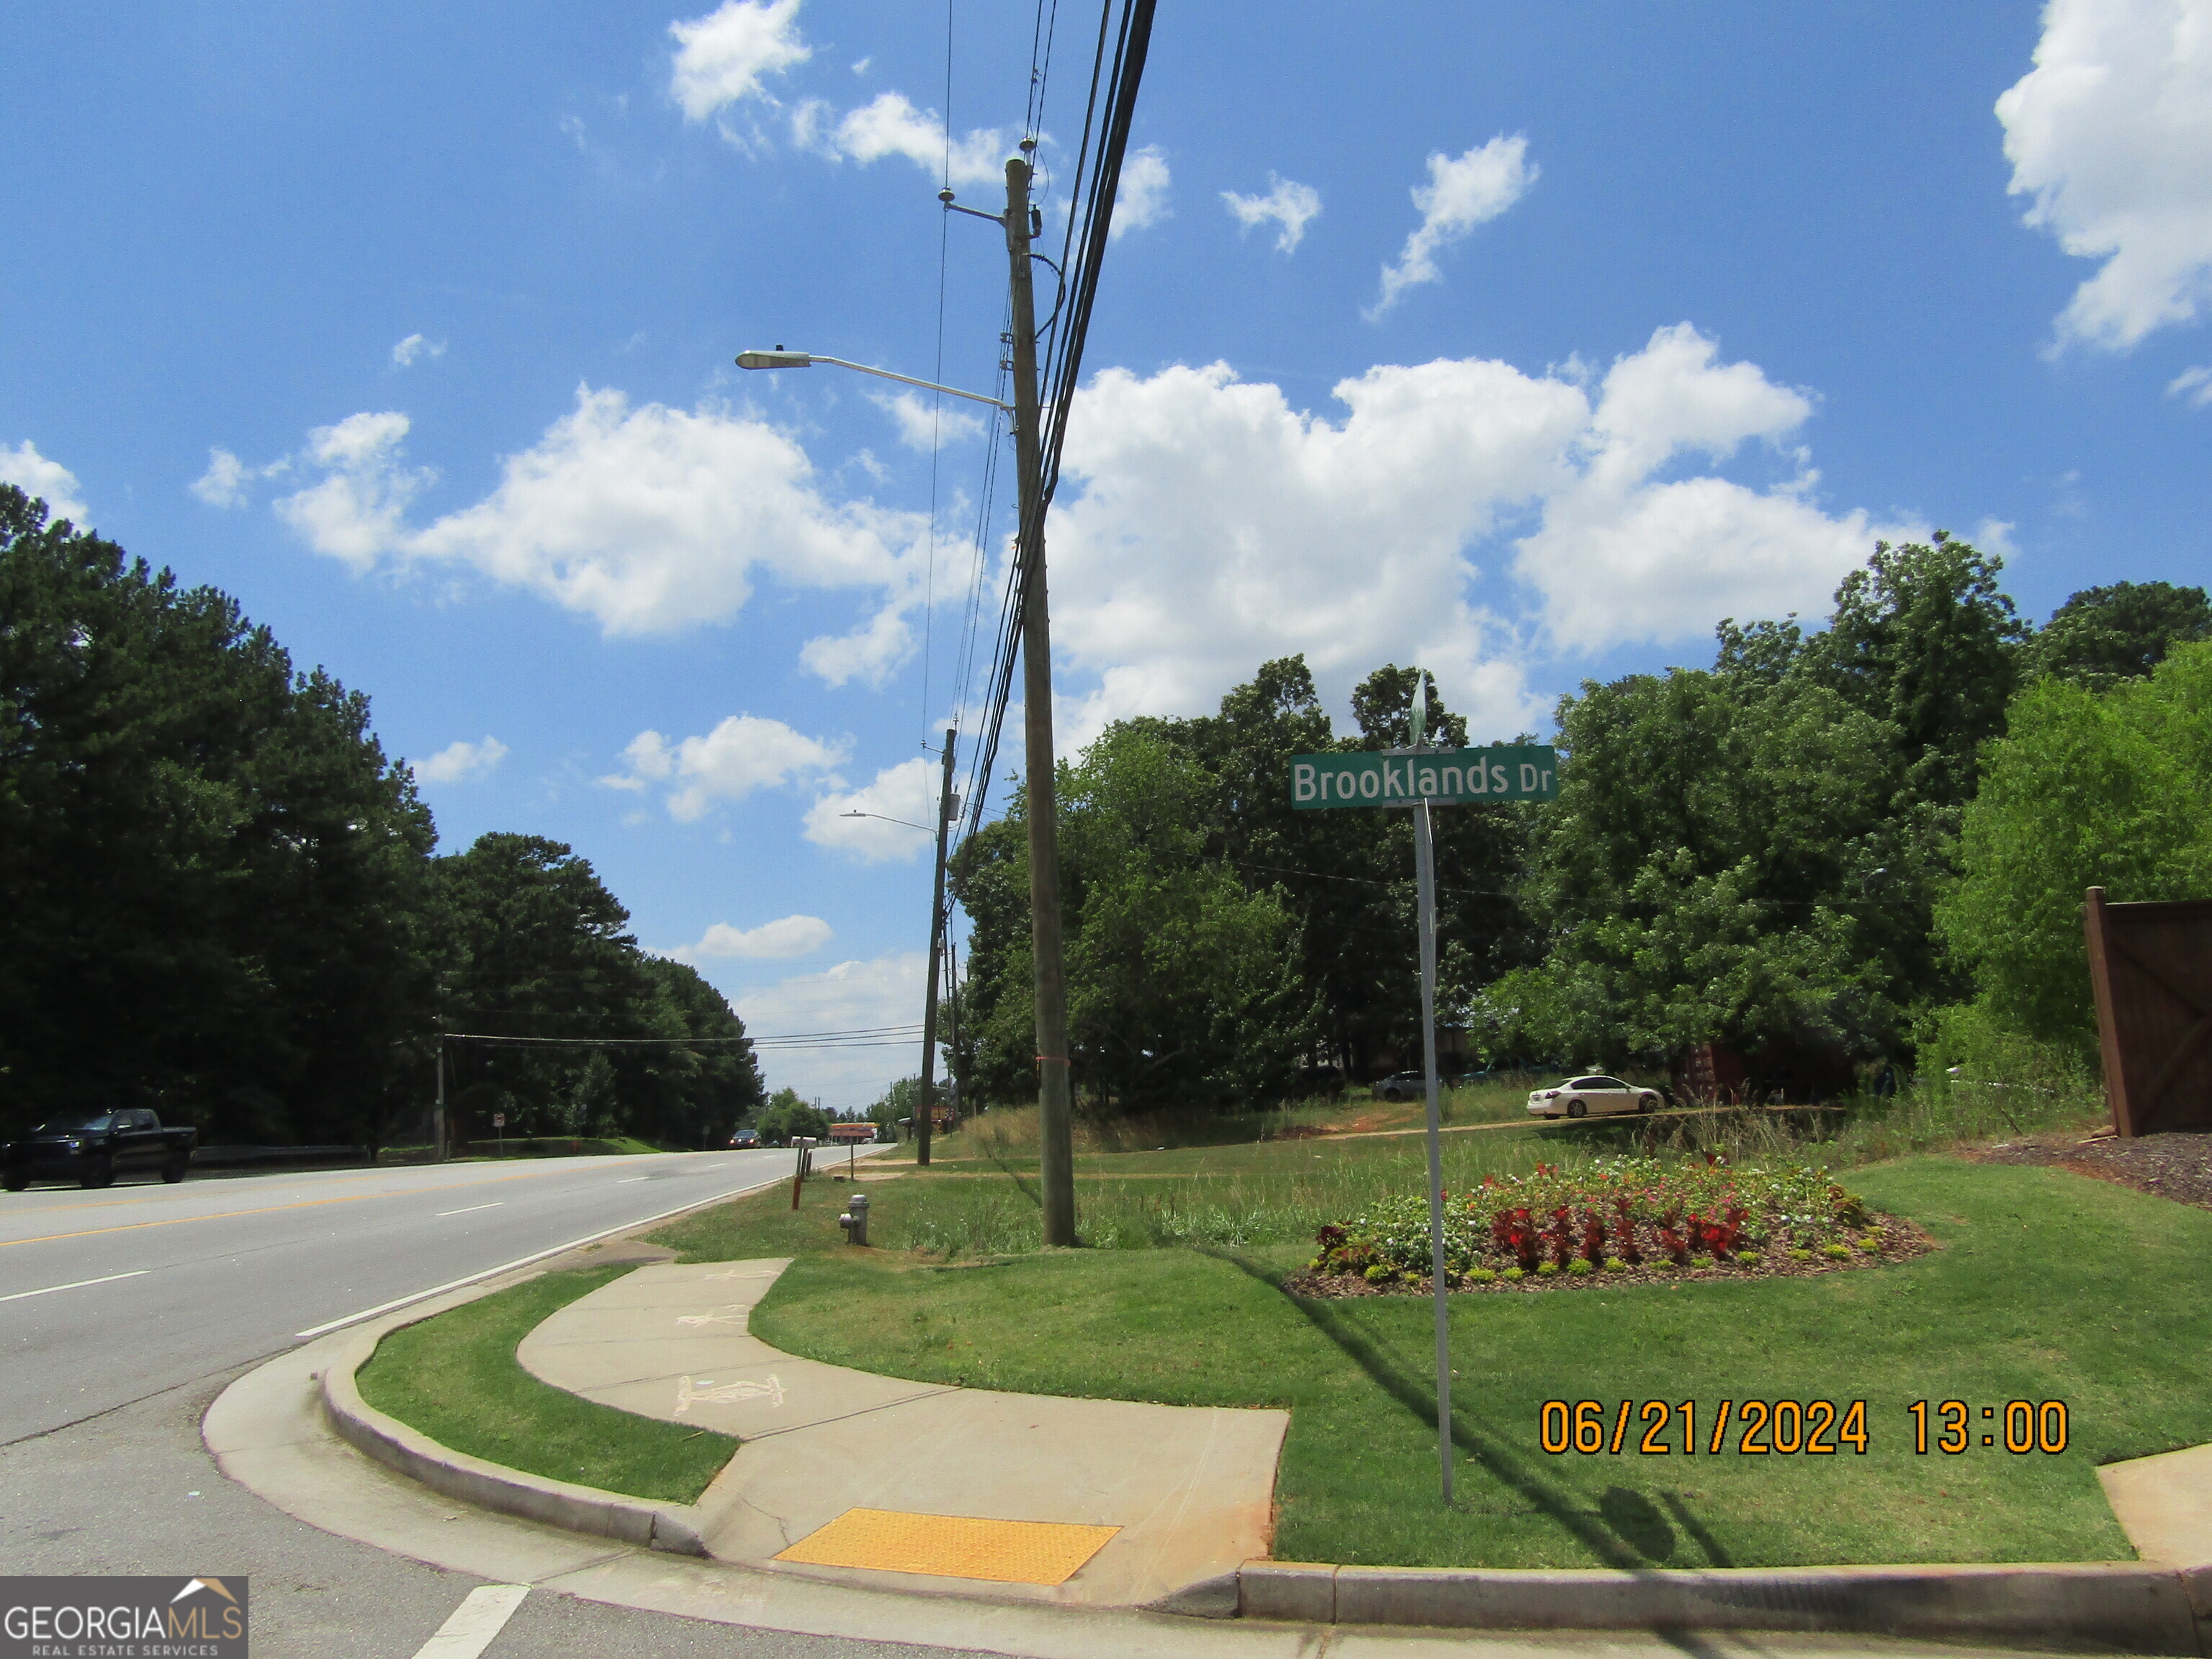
{"x":1419,"y":776}
{"x":1425,"y":874}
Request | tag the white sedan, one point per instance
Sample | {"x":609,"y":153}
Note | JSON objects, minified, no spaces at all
{"x":1579,"y":1097}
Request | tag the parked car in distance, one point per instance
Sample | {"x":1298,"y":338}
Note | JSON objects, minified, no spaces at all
{"x":745,"y":1137}
{"x":1401,"y":1085}
{"x":1580,"y":1096}
{"x":92,"y":1148}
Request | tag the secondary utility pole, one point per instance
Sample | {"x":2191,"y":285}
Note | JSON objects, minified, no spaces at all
{"x":1056,"y":1136}
{"x":926,"y":1111}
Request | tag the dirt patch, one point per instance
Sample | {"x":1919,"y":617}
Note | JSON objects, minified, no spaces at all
{"x":1901,"y":1240}
{"x":2176,"y":1165}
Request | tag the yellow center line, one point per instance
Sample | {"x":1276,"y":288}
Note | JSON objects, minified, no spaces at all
{"x":268,"y":1209}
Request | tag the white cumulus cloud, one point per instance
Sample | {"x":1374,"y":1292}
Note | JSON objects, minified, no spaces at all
{"x":791,"y":936}
{"x":1288,"y":205}
{"x":44,"y":480}
{"x":2193,"y":386}
{"x":458,"y":762}
{"x":722,"y":57}
{"x":886,"y":990}
{"x":1218,"y":526}
{"x":413,"y":346}
{"x":356,"y":511}
{"x":1460,"y":194}
{"x":901,"y":797}
{"x":1141,"y":197}
{"x":742,"y":754}
{"x":922,"y":425}
{"x":891,"y":126}
{"x":648,"y":519}
{"x":223,"y":485}
{"x":2110,"y":135}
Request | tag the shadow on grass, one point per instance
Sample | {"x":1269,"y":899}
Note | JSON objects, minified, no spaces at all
{"x":1626,"y":1529}
{"x":997,"y":1150}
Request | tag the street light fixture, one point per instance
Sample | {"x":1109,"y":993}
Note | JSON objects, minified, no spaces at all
{"x":780,"y":358}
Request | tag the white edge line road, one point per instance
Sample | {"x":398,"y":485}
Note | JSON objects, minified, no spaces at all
{"x":522,"y":1261}
{"x":483,"y":1613}
{"x":77,"y":1285}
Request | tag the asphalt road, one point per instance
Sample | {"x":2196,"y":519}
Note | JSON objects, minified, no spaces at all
{"x":124,"y":1314}
{"x":103,"y":1383}
{"x":112,"y":1296}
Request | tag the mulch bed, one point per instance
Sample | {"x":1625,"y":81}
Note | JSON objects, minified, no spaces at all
{"x":2176,"y":1165}
{"x":1902,"y":1239}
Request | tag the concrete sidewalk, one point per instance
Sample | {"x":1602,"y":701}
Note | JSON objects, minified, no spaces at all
{"x":271,"y":1431}
{"x":1188,"y":1492}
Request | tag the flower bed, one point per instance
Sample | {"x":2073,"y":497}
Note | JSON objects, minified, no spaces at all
{"x":1621,"y":1219}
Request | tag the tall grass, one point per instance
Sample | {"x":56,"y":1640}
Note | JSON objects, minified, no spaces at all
{"x":1233,"y":1181}
{"x":1012,"y":1130}
{"x":963,"y":1217}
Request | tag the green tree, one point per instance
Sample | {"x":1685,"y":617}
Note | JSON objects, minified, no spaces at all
{"x":1182,"y":985}
{"x":899,"y":1103}
{"x":1753,"y":856}
{"x":209,"y":899}
{"x":1923,"y":638}
{"x":531,"y":944}
{"x":2103,"y":635}
{"x":2086,"y":789}
{"x":1346,"y":878}
{"x":1717,"y":869}
{"x":785,"y":1115}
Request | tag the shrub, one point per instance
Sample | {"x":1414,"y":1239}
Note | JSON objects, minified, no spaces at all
{"x":1580,"y":1268}
{"x":1613,"y":1264}
{"x":1514,"y":1273}
{"x":1483,"y":1276}
{"x":1838,"y":1251}
{"x":1629,"y":1210}
{"x":1546,"y":1269}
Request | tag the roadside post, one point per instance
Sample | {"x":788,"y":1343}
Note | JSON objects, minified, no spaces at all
{"x":804,"y":1167}
{"x":1422,"y":778}
{"x":499,"y":1129}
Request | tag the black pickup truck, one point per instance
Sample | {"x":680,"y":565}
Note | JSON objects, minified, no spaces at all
{"x":93,"y":1148}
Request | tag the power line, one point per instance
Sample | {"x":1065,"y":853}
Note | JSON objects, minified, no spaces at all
{"x":1093,"y":206}
{"x":936,"y":403}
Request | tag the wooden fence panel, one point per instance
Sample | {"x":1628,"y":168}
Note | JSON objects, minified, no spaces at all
{"x":2150,"y":968}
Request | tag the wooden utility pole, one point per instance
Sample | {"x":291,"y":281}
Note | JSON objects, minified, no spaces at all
{"x":1055,"y":1137}
{"x":926,"y":1111}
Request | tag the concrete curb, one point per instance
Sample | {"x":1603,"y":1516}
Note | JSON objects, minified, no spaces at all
{"x":2137,"y":1608}
{"x":671,"y":1526}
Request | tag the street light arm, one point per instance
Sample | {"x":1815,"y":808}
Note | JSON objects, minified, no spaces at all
{"x":910,"y":823}
{"x":807,"y":359}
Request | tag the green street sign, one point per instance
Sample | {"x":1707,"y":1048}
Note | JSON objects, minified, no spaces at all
{"x":1441,"y":777}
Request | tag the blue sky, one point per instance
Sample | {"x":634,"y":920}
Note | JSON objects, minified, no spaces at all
{"x":1524,"y":340}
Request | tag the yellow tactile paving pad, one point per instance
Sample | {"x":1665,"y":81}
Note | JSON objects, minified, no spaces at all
{"x":952,"y":1546}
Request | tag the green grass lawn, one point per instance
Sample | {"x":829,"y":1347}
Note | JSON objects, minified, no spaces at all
{"x":2045,"y":1287}
{"x":455,"y":1377}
